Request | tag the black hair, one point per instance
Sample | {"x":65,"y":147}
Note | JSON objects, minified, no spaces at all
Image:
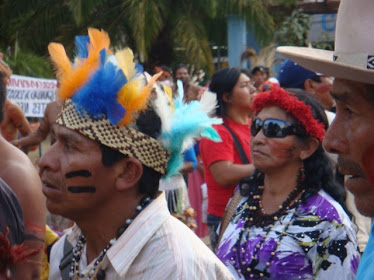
{"x":223,"y":81}
{"x":149,"y":123}
{"x":2,"y":95}
{"x":179,"y":66}
{"x":260,"y":68}
{"x":318,"y":167}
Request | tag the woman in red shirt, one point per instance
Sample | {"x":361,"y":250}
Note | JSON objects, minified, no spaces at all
{"x":222,"y":162}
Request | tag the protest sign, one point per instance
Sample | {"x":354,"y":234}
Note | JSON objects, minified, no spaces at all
{"x":31,"y":94}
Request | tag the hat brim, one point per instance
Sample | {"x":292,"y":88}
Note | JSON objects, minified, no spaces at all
{"x":322,"y":61}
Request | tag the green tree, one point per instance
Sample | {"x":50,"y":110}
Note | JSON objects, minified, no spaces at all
{"x":160,"y":31}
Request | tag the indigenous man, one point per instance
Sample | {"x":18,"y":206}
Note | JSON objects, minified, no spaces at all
{"x":351,"y":135}
{"x":18,"y":172}
{"x":103,"y":172}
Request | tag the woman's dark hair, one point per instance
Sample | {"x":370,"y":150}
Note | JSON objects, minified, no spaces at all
{"x":149,"y":123}
{"x":223,"y":81}
{"x":318,"y":167}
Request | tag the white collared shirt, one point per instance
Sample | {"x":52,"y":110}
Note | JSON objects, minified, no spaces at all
{"x":155,"y":246}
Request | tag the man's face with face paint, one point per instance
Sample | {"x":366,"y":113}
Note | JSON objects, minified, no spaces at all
{"x":75,"y":182}
{"x":273,"y":153}
{"x":351,"y":136}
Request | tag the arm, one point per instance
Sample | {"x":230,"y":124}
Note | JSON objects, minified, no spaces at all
{"x":19,"y":120}
{"x":35,"y":137}
{"x":228,"y":174}
{"x":33,"y":207}
{"x":218,"y":157}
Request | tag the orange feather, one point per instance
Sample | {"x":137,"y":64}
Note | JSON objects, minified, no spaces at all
{"x":60,"y":60}
{"x":83,"y":68}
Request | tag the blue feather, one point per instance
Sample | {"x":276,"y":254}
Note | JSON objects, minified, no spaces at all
{"x":139,"y":68}
{"x":98,"y":97}
{"x":81,"y":43}
{"x":187,"y":121}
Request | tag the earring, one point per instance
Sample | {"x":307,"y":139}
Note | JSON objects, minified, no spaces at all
{"x":301,"y":172}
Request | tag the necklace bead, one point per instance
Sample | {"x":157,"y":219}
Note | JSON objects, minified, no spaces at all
{"x":255,"y":217}
{"x":96,"y":272}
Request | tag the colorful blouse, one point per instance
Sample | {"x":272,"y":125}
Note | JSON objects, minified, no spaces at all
{"x":314,"y":240}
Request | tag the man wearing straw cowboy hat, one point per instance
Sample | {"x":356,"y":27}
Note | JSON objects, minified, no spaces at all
{"x":112,"y":146}
{"x":351,"y":135}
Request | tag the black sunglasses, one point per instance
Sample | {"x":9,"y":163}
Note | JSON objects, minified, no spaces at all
{"x":274,"y":128}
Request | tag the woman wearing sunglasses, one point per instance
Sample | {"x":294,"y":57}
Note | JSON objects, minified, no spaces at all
{"x":289,"y":224}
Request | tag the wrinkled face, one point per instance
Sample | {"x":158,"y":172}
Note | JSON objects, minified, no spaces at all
{"x":182,"y":74}
{"x":259,"y":77}
{"x":269,"y":154}
{"x":351,"y":136}
{"x":242,"y":94}
{"x":75,"y":182}
{"x":322,"y":92}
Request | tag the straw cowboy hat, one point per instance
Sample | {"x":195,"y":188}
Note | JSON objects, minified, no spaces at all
{"x":353,"y":58}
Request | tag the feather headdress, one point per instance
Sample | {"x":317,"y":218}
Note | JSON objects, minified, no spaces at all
{"x":186,"y":122}
{"x":104,"y":94}
{"x":99,"y":82}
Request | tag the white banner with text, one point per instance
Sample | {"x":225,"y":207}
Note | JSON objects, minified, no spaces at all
{"x":31,"y":94}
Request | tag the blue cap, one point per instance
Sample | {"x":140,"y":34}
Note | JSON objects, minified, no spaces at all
{"x":292,"y":75}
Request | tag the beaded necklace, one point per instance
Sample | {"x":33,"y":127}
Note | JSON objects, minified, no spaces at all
{"x":254,"y":216}
{"x":96,"y":272}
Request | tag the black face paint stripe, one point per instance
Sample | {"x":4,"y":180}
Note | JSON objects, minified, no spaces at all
{"x":81,"y":189}
{"x":78,"y":173}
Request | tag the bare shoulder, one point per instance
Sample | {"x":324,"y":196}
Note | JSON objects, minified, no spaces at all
{"x":17,"y":170}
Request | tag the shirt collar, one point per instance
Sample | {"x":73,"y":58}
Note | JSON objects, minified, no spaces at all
{"x":128,"y":246}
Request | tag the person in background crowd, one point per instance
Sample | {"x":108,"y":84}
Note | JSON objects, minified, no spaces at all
{"x":262,"y":81}
{"x":14,"y":120}
{"x":112,"y":146}
{"x":224,"y":164}
{"x":351,"y":133}
{"x":35,"y":138}
{"x":191,"y":91}
{"x":288,"y":223}
{"x":259,"y":75}
{"x":165,"y":78}
{"x":292,"y":75}
{"x":18,"y":172}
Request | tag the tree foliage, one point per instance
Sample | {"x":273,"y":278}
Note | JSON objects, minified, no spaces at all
{"x":160,"y":32}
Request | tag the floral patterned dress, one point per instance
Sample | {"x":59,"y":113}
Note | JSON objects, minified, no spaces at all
{"x":312,"y":240}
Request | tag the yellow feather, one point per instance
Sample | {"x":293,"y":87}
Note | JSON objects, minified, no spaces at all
{"x":134,"y":97}
{"x":60,"y":60}
{"x":125,"y":60}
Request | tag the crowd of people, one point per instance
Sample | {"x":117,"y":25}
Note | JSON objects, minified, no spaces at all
{"x":156,"y":177}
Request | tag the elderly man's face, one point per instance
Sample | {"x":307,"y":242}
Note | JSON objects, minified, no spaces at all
{"x":351,"y":136}
{"x":75,"y":182}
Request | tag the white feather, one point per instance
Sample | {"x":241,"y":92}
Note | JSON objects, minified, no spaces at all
{"x":162,"y":108}
{"x":208,"y":102}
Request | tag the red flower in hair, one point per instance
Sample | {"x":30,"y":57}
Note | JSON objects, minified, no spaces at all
{"x":297,"y":108}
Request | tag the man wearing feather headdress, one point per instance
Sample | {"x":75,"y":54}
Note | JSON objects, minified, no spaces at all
{"x":112,"y":147}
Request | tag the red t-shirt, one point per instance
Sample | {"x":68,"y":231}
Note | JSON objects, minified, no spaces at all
{"x":218,"y":196}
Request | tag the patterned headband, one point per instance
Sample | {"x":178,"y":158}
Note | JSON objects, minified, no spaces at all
{"x":292,"y":105}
